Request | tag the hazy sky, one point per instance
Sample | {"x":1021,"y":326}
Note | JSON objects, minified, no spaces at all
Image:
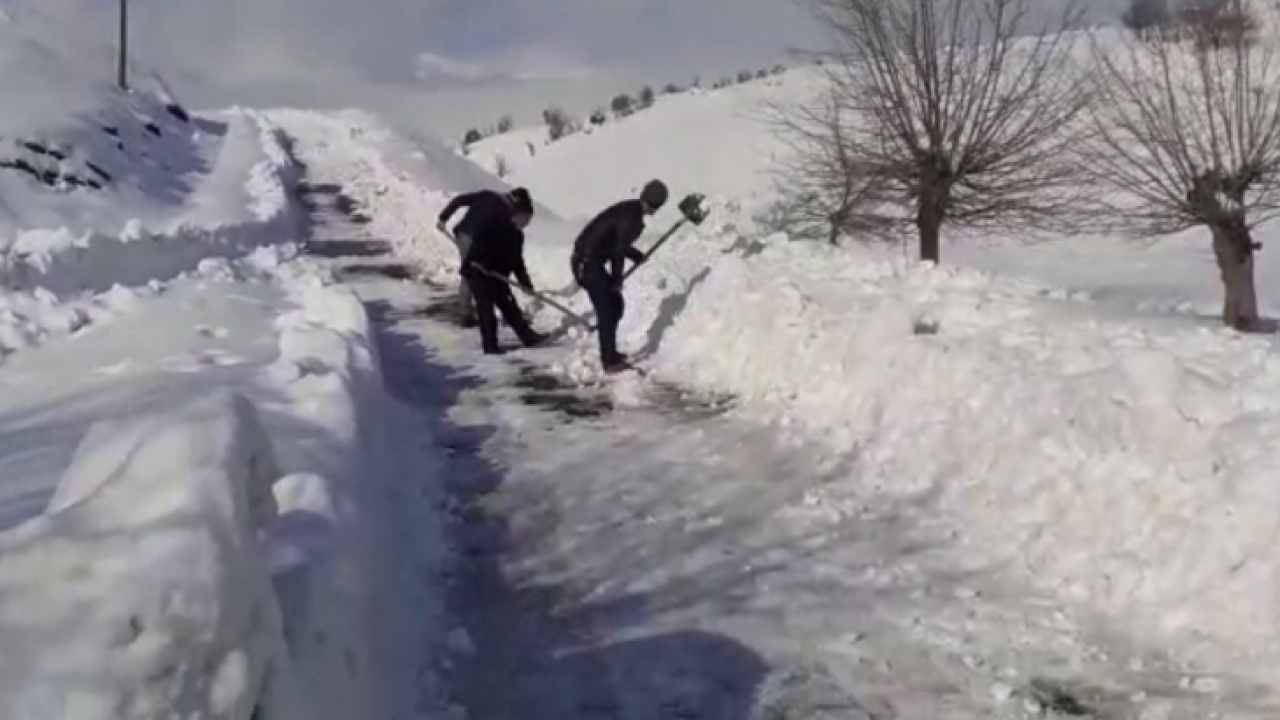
{"x":473,"y":56}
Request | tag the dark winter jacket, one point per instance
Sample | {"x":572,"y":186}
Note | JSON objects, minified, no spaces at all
{"x":484,"y":209}
{"x":607,"y":240}
{"x":499,"y":248}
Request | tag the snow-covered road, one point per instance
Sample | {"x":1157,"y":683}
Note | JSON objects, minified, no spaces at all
{"x":662,"y":559}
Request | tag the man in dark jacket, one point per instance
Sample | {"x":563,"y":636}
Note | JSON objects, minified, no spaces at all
{"x":484,"y":209}
{"x":598,"y":263}
{"x":495,"y":254}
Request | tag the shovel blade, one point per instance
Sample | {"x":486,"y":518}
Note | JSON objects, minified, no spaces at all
{"x":695,"y":208}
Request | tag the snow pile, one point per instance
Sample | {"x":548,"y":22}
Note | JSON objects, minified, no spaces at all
{"x":140,"y":593}
{"x":1126,"y":468}
{"x":257,"y":552}
{"x":357,"y":547}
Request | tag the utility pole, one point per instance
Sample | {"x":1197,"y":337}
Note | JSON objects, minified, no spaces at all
{"x":122,"y":71}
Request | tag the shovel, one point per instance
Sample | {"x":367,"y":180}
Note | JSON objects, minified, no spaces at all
{"x":693,"y":210}
{"x":532,"y":293}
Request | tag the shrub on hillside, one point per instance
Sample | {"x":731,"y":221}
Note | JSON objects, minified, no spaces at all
{"x":622,"y":105}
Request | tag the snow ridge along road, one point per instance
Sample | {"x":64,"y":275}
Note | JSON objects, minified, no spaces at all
{"x":631,"y":560}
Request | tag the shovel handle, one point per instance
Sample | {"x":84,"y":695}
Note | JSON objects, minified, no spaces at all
{"x":532,"y":293}
{"x":656,"y":246}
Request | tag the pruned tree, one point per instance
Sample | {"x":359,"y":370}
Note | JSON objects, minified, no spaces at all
{"x":1189,"y":136}
{"x":1147,"y":18}
{"x":599,"y":117}
{"x":501,"y":167}
{"x":671,"y":89}
{"x":955,"y":112}
{"x":745,"y":76}
{"x":472,"y":137}
{"x":505,"y":124}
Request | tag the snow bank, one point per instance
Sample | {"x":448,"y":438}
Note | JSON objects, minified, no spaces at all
{"x":357,"y":549}
{"x":140,"y":593}
{"x":260,"y":553}
{"x":75,"y":151}
{"x":1128,"y":469}
{"x":409,"y":180}
{"x":244,"y":202}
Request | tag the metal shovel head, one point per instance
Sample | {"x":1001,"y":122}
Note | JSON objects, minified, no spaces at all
{"x":695,"y":208}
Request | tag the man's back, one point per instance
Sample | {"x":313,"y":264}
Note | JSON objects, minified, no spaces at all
{"x":609,"y":235}
{"x":485,"y":209}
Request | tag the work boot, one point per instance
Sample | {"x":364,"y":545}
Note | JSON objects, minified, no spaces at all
{"x":616,"y":365}
{"x":494,"y":350}
{"x":534,"y":339}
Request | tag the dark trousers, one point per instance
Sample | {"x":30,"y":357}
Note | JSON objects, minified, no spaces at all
{"x":609,"y":306}
{"x":489,"y":294}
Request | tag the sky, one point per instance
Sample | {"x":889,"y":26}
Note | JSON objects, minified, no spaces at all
{"x":445,"y":65}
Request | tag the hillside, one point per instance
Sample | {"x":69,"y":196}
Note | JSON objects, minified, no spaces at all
{"x":723,"y":143}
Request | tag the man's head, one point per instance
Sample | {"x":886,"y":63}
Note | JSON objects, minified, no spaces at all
{"x":654,"y":196}
{"x":521,"y":207}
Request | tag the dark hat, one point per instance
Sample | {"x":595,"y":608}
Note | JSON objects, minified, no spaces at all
{"x":654,"y":194}
{"x":521,"y":200}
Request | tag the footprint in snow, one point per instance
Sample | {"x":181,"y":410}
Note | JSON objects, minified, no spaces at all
{"x":112,"y":370}
{"x":211,"y":332}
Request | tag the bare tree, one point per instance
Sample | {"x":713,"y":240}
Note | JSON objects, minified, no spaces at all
{"x":1189,"y":136}
{"x":953,"y":113}
{"x":822,"y":195}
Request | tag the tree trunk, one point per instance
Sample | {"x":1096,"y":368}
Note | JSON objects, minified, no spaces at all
{"x":929,"y":223}
{"x":1233,"y":246}
{"x":935,"y":195}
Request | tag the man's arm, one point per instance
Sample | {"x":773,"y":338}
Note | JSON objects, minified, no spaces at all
{"x":628,"y":234}
{"x":521,"y":270}
{"x":466,"y":200}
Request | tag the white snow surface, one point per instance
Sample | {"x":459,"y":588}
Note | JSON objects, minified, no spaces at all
{"x":200,"y":492}
{"x":1119,"y":460}
{"x":210,"y":507}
